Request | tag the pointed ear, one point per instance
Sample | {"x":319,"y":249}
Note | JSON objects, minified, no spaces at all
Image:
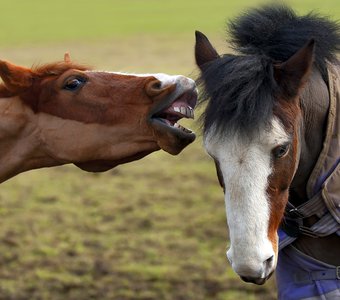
{"x":14,"y":77}
{"x":204,"y":51}
{"x":292,"y":74}
{"x":67,"y":57}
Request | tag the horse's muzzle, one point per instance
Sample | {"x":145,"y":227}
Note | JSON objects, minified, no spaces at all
{"x":258,"y":281}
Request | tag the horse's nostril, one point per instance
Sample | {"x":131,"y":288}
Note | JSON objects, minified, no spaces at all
{"x":153,"y":87}
{"x":269,"y":263}
{"x":270,"y":259}
{"x":157,"y":85}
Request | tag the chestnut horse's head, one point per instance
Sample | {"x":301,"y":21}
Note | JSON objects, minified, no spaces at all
{"x":98,"y":120}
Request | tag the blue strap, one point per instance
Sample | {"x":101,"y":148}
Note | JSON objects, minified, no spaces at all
{"x":308,"y":277}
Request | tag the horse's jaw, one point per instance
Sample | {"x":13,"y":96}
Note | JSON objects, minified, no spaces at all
{"x":96,"y":166}
{"x":163,"y":117}
{"x":170,"y":139}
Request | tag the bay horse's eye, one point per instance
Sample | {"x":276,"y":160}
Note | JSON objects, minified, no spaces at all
{"x":74,"y":83}
{"x":281,"y":151}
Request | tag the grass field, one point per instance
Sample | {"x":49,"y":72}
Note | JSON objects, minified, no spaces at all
{"x":153,"y":229}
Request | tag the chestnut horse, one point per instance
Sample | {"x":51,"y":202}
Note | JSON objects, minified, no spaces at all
{"x":265,"y":126}
{"x":64,"y":113}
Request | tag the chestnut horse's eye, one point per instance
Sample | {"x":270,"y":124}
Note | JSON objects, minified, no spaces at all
{"x":74,"y":84}
{"x":281,"y":151}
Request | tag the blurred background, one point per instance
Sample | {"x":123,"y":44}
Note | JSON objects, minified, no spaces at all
{"x":151,"y":229}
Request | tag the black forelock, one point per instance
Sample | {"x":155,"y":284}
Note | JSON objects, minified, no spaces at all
{"x":240,"y":93}
{"x":240,"y":88}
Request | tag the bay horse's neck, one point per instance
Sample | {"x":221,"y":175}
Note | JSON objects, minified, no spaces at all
{"x":314,"y":106}
{"x":19,"y":139}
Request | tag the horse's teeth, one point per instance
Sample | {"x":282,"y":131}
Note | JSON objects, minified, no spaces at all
{"x":191,"y":112}
{"x":186,"y":111}
{"x":178,"y":126}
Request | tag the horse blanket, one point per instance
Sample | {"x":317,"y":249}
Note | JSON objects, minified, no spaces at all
{"x":300,"y":276}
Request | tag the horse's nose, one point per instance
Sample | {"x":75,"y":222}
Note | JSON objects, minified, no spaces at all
{"x":268,"y":271}
{"x":259,"y":274}
{"x":253,"y":268}
{"x":155,"y":87}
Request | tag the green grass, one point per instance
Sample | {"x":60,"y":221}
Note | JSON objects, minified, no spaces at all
{"x":41,"y":21}
{"x":152,"y":229}
{"x":50,"y":21}
{"x":136,"y":232}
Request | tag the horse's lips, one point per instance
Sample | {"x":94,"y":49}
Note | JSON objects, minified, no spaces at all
{"x":170,"y":139}
{"x":171,"y":136}
{"x":258,"y":281}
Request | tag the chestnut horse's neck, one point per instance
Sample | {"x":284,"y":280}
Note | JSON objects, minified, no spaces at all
{"x":19,"y":139}
{"x":314,"y":105}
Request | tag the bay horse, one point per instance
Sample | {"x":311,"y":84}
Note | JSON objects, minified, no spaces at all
{"x":271,"y":124}
{"x":64,"y":112}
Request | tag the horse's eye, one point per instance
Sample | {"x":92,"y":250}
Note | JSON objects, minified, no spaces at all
{"x":281,"y":151}
{"x":74,"y":84}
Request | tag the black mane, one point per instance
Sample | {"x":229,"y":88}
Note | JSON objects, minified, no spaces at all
{"x":241,"y":88}
{"x":277,"y":32}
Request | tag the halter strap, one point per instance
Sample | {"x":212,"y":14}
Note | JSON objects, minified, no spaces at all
{"x":292,"y":223}
{"x":308,"y":277}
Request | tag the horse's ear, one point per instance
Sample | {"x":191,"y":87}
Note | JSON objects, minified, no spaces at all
{"x":292,"y":74}
{"x":204,"y":51}
{"x":67,"y":57}
{"x":15,"y":78}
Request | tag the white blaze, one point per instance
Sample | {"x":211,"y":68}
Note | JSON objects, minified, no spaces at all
{"x":245,"y":166}
{"x":165,"y":79}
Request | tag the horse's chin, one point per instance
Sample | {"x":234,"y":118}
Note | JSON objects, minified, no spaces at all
{"x":170,"y":139}
{"x":96,"y":166}
{"x":258,"y":281}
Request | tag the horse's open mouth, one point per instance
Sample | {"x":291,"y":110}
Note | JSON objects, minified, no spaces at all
{"x":174,"y":113}
{"x":181,"y":107}
{"x":164,"y":117}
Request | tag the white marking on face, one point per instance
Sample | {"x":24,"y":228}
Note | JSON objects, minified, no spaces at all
{"x":245,"y":166}
{"x":185,"y":83}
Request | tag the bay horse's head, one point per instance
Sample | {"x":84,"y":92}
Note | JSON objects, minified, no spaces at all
{"x":251,"y":130}
{"x":97,"y":119}
{"x":264,"y":124}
